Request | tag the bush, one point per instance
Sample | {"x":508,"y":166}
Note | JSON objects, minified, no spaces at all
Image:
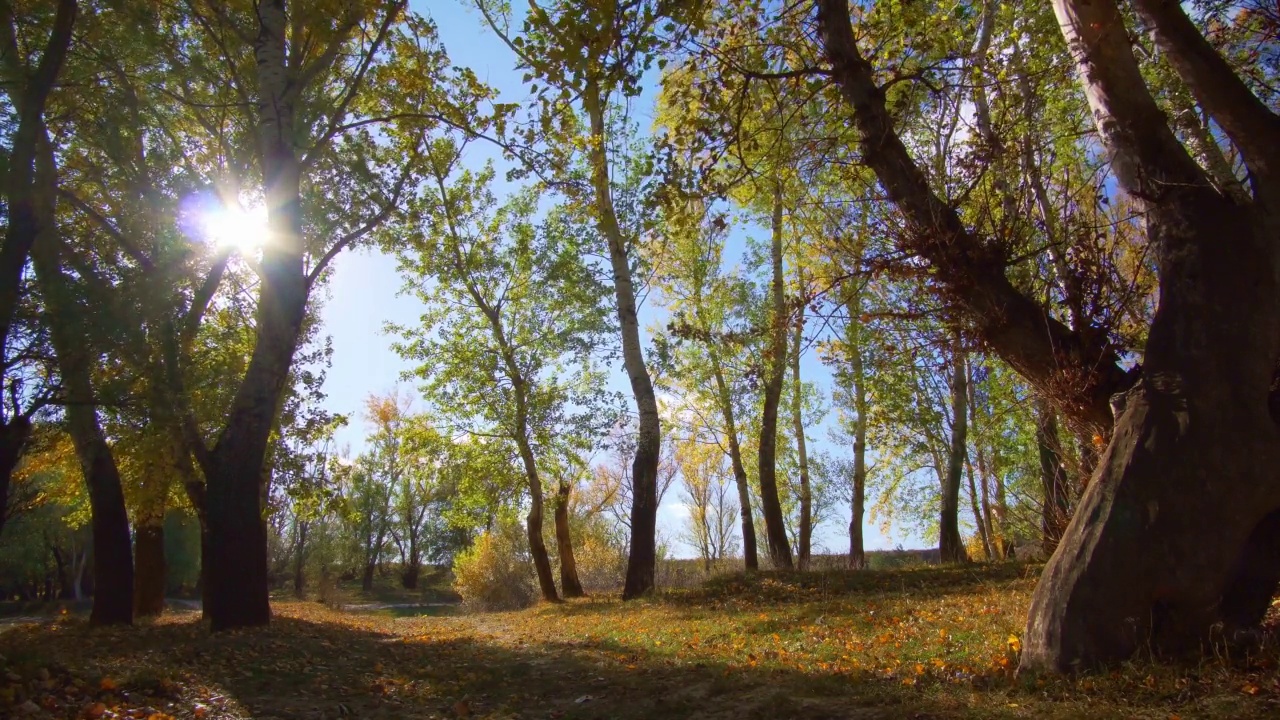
{"x":602,"y":566}
{"x":494,"y":573}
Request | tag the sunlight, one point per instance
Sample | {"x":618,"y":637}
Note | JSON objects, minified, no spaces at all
{"x":244,"y":230}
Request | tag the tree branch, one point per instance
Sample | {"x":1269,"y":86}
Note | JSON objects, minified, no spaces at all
{"x":1079,"y":374}
{"x":1250,"y":124}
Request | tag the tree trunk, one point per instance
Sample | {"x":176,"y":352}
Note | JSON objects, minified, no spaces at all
{"x":149,"y":566}
{"x":538,"y":547}
{"x":64,"y":572}
{"x":533,"y":521}
{"x":112,"y":551}
{"x":999,"y":524}
{"x":366,"y":578}
{"x":1080,"y":369}
{"x":569,"y":582}
{"x":857,"y":379}
{"x":413,"y":563}
{"x":750,"y":558}
{"x":79,"y":561}
{"x":797,"y":420}
{"x":1056,"y":510}
{"x":409,"y":576}
{"x":642,"y":557}
{"x":13,"y":439}
{"x":1176,"y":542}
{"x":25,"y":221}
{"x":978,"y":520}
{"x":237,"y":575}
{"x":950,"y":544}
{"x":775,"y":374}
{"x":300,"y":558}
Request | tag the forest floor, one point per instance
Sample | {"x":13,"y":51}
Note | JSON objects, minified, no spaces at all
{"x":924,"y":643}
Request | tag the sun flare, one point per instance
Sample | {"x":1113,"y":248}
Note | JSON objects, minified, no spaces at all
{"x":237,"y":227}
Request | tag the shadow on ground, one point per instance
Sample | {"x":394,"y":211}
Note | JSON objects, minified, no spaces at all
{"x":303,"y":669}
{"x":316,"y":664}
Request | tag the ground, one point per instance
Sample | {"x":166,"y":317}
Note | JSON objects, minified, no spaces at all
{"x":922,"y":643}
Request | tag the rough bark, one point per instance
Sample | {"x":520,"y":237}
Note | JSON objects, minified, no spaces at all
{"x":750,"y":558}
{"x":570,"y":585}
{"x":950,"y":544}
{"x":802,"y":453}
{"x":149,"y":566}
{"x":1055,"y":513}
{"x":642,"y":556}
{"x":775,"y":375}
{"x":1176,"y":542}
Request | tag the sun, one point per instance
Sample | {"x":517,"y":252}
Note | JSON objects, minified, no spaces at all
{"x":237,"y":227}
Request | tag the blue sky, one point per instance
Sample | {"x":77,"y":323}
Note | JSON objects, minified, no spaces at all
{"x":364,"y":296}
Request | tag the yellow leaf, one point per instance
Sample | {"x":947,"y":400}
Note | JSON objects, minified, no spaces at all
{"x":1015,"y":644}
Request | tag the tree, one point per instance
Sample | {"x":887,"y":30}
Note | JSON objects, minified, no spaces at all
{"x":950,"y":544}
{"x":852,"y":396}
{"x":514,"y":316}
{"x":709,"y":526}
{"x":28,"y":84}
{"x":708,"y":348}
{"x":308,"y":101}
{"x":1208,"y":363}
{"x":590,"y":58}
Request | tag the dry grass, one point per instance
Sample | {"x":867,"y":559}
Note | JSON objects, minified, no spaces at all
{"x":924,"y":643}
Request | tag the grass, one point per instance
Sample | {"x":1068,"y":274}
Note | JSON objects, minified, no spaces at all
{"x":917,"y":643}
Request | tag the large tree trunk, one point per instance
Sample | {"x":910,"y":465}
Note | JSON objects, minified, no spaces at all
{"x":112,"y":558}
{"x":750,"y":558}
{"x":775,"y":375}
{"x":237,"y":583}
{"x":569,"y":583}
{"x":1056,"y":510}
{"x":797,"y":420}
{"x":1176,"y":542}
{"x":149,"y":566}
{"x":642,"y":556}
{"x":950,"y":544}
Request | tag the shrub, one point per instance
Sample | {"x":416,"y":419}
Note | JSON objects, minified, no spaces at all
{"x":601,"y":565}
{"x":494,"y":573}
